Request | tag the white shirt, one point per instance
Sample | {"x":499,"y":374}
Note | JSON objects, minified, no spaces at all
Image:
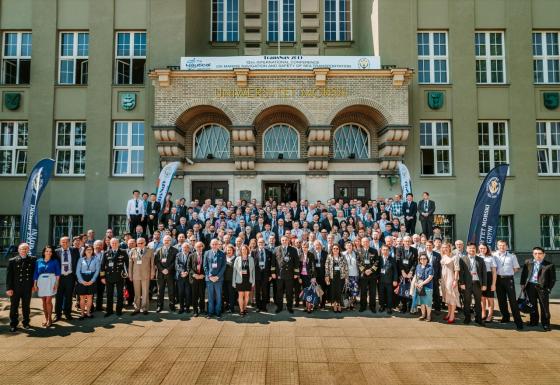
{"x":490,"y":261}
{"x":131,"y":208}
{"x":506,"y":263}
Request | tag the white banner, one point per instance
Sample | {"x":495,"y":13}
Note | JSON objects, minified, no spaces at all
{"x":280,"y":62}
{"x":406,"y":183}
{"x":164,"y":181}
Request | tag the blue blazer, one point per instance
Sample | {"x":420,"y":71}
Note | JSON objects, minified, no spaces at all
{"x":219,"y":270}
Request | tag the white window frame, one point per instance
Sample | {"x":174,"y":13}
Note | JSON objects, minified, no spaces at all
{"x":552,"y":235}
{"x":15,"y":148}
{"x":69,"y":228}
{"x":545,"y":57}
{"x":431,"y":57}
{"x":488,"y":58}
{"x":360,"y":127}
{"x":491,"y":147}
{"x":280,"y":21}
{"x":225,"y":30}
{"x":72,"y":147}
{"x":435,"y":148}
{"x":548,"y":147}
{"x":227,"y":151}
{"x":337,"y":21}
{"x":511,"y":229}
{"x":129,"y":148}
{"x":130,"y":57}
{"x":12,"y":228}
{"x":74,"y":57}
{"x":298,"y":155}
{"x":18,"y":57}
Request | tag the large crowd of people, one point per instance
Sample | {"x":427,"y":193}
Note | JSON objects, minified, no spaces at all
{"x":212,"y":258}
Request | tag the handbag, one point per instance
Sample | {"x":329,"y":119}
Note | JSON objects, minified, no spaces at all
{"x":525,"y":306}
{"x":404,"y":288}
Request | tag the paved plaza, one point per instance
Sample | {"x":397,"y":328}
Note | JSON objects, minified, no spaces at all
{"x":322,"y":348}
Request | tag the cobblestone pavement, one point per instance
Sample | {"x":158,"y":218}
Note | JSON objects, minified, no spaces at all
{"x":322,"y":348}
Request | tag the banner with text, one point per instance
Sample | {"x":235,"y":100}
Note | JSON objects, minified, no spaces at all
{"x":406,"y":183}
{"x":29,"y":222}
{"x":486,"y":211}
{"x":164,"y":181}
{"x":280,"y":62}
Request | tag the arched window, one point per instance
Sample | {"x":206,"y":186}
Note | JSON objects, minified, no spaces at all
{"x":211,"y":141}
{"x":281,"y":142}
{"x":351,"y":141}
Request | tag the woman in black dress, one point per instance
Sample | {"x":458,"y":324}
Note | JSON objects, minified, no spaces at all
{"x":228,"y":291}
{"x":336,"y":275}
{"x":244,"y":278}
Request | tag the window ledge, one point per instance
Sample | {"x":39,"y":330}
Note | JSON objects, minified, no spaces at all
{"x":340,"y":43}
{"x":282,"y":43}
{"x":16,"y":85}
{"x":62,"y":176}
{"x":224,"y":44}
{"x":129,"y":85}
{"x":215,"y":160}
{"x":549,"y":177}
{"x":12,"y":177}
{"x":126,"y":177}
{"x":442,"y":177}
{"x":493,"y":85}
{"x":547,"y":85}
{"x":482,"y":176}
{"x":434,"y":85}
{"x":58,"y":85}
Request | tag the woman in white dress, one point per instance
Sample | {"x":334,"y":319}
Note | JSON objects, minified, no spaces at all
{"x":448,"y":283}
{"x":47,"y":274}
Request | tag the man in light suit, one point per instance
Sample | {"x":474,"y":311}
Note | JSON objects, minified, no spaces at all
{"x":426,"y":208}
{"x":141,"y":270}
{"x":214,"y":268}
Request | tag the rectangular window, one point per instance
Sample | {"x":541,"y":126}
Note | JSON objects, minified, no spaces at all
{"x":546,"y":57}
{"x":338,"y":20}
{"x":492,"y":145}
{"x":128,"y":149}
{"x":119,"y":224}
{"x":16,"y":58}
{"x":490,"y":57}
{"x":73,"y":58}
{"x":66,"y":225}
{"x":71,"y":148}
{"x":548,"y":148}
{"x":432,"y":57}
{"x":281,"y":20}
{"x":505,"y":230}
{"x":9,"y":232}
{"x":550,"y":231}
{"x":130,"y":57}
{"x":225,"y":20}
{"x":435,"y":148}
{"x":13,"y":148}
{"x":447,"y":224}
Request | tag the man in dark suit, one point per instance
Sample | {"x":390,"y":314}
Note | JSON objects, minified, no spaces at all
{"x":320,"y":260}
{"x":286,"y":270}
{"x":114,"y":266}
{"x":68,"y":258}
{"x":435,"y":260}
{"x":182,"y":226}
{"x":426,"y":208}
{"x":409,"y":210}
{"x":138,"y":233}
{"x":407,"y":260}
{"x":19,"y":285}
{"x":368,"y":264}
{"x":165,"y":263}
{"x":388,"y":276}
{"x":538,"y":278}
{"x":152,"y":211}
{"x":279,"y":230}
{"x":329,"y":222}
{"x":263,"y":264}
{"x":195,"y":266}
{"x":472,"y":282}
